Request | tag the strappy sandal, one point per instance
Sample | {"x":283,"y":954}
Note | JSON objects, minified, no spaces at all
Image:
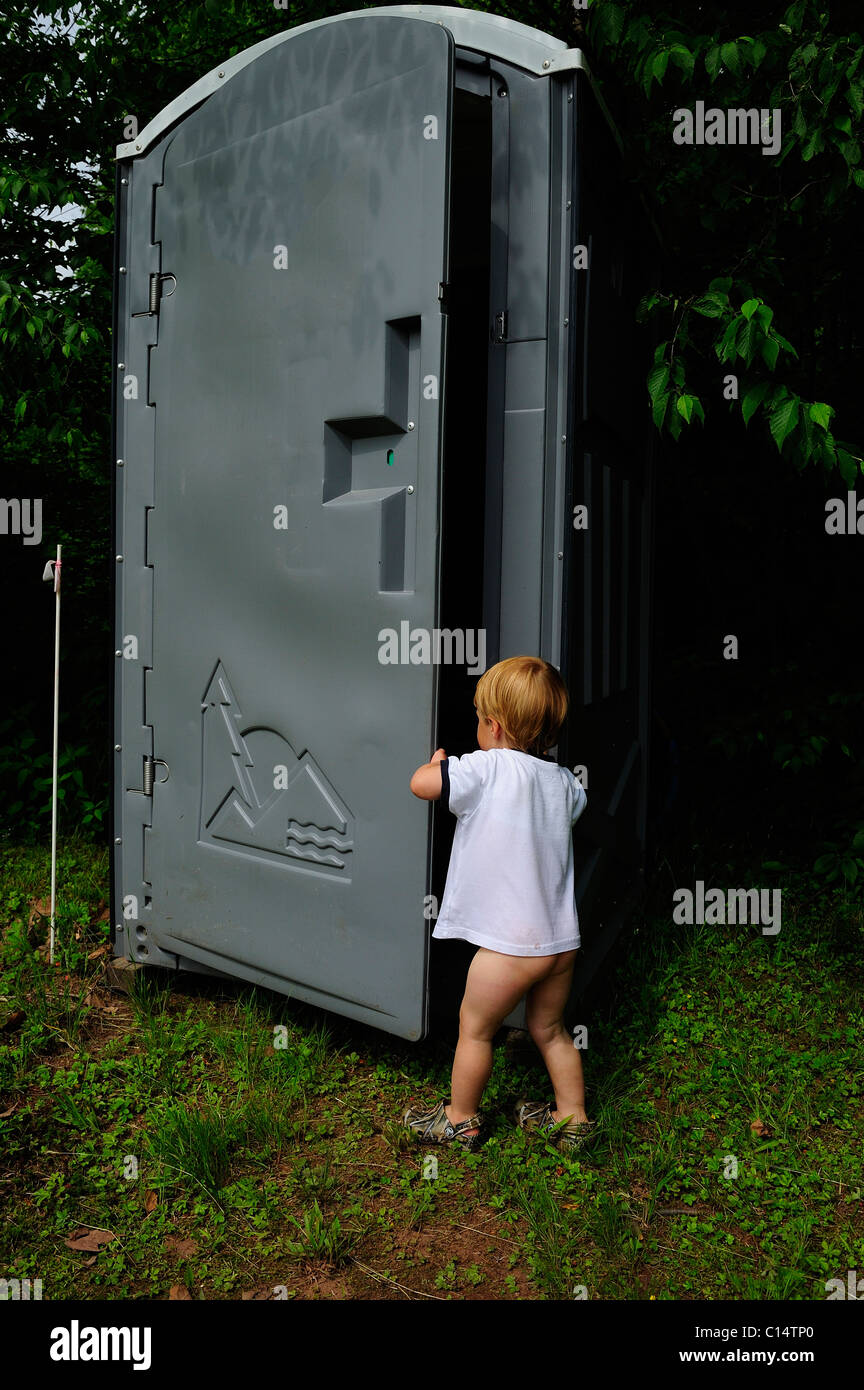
{"x":433,"y":1127}
{"x":566,"y":1136}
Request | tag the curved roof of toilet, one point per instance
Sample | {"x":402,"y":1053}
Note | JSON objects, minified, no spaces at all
{"x":492,"y":34}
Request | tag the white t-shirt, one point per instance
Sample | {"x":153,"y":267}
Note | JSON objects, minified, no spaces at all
{"x":510,"y":879}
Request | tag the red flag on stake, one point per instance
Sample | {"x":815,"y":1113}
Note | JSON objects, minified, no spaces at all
{"x":52,"y":571}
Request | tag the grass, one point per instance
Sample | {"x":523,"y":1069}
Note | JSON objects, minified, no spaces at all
{"x":240,"y":1144}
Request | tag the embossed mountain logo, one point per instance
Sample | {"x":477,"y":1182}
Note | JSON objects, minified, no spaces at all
{"x":259,"y":796}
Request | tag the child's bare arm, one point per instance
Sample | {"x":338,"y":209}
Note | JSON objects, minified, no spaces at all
{"x":426,"y":782}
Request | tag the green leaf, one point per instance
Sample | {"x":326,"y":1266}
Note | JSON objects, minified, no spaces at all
{"x":658,"y":379}
{"x":659,"y":64}
{"x":810,"y":445}
{"x":712,"y":305}
{"x":848,"y":467}
{"x":682,"y":58}
{"x":658,"y":409}
{"x":684,"y":406}
{"x":749,"y":341}
{"x":607,"y":22}
{"x":645,"y":306}
{"x":821,"y":413}
{"x":712,"y":61}
{"x":770,"y":352}
{"x":784,"y":343}
{"x":824,"y":863}
{"x":813,"y":146}
{"x":749,"y":307}
{"x":842,"y":122}
{"x":726,"y":348}
{"x":729,"y":57}
{"x":752,"y":400}
{"x":794,"y":15}
{"x":855,"y":98}
{"x":783,"y":420}
{"x":759,"y":51}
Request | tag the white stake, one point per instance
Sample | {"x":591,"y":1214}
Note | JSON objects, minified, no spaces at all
{"x":54,"y":574}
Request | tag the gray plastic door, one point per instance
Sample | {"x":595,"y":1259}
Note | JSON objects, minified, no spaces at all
{"x":303,"y":218}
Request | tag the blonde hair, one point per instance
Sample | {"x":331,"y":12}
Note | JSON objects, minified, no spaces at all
{"x":527,"y":697}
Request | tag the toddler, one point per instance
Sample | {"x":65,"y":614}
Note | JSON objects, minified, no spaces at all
{"x":510,"y":891}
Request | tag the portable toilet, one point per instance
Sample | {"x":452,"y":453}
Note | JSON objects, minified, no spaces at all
{"x":379,"y":422}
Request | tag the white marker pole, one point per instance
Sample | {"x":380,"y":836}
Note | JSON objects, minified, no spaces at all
{"x":55,"y":575}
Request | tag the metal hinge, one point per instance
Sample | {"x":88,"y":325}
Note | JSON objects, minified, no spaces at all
{"x":156,"y":294}
{"x":499,"y":330}
{"x":444,"y":297}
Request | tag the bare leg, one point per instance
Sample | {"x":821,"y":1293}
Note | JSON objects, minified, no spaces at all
{"x":544,"y":1010}
{"x":494,"y":987}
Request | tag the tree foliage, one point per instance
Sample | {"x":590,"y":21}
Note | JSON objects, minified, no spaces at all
{"x":758,"y":242}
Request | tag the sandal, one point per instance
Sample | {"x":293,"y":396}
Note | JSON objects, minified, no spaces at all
{"x":567,"y":1136}
{"x":433,"y":1127}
